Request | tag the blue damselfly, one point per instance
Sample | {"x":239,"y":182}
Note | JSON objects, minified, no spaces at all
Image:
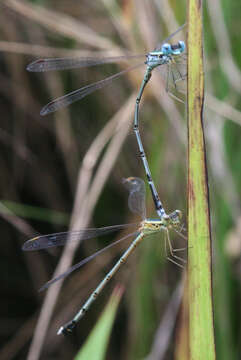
{"x":170,"y":58}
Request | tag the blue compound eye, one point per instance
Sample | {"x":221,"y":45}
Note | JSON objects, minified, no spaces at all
{"x":182,"y":45}
{"x":166,"y":49}
{"x":177,"y":49}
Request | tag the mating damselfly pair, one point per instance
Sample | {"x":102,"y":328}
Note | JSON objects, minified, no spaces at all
{"x":165,"y":56}
{"x":136,"y":202}
{"x":170,"y":59}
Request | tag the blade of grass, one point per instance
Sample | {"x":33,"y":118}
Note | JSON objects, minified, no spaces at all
{"x":96,"y":345}
{"x":36,"y":213}
{"x":201,"y":330}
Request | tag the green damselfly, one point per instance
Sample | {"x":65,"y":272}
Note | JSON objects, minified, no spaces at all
{"x":136,"y":202}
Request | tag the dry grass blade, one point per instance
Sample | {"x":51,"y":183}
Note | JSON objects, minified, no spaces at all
{"x":50,"y":51}
{"x":11,"y":349}
{"x":223,"y":44}
{"x":223,"y":109}
{"x":167,"y":14}
{"x":16,"y":221}
{"x":60,"y":23}
{"x":164,"y":332}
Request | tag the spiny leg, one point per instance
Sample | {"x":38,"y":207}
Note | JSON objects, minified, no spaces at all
{"x":179,"y":232}
{"x":158,"y":205}
{"x":179,"y":249}
{"x":182,"y":228}
{"x":171,"y":248}
{"x":172,"y":252}
{"x":168,"y":258}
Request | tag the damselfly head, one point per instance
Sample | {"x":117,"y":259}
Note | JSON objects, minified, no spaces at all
{"x":175,"y":217}
{"x":182,"y":46}
{"x":179,"y":48}
{"x":166,"y":49}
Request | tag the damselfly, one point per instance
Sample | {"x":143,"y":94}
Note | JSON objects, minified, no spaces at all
{"x":165,"y":55}
{"x":170,"y":58}
{"x":136,"y":202}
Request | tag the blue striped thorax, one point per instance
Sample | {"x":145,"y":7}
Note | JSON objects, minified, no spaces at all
{"x":165,"y":54}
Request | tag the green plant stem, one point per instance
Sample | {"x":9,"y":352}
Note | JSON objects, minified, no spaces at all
{"x":201,"y":330}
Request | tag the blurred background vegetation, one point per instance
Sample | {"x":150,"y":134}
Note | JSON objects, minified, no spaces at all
{"x":66,"y":170}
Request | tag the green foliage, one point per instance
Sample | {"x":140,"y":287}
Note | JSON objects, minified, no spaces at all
{"x":35,"y":213}
{"x":201,"y":329}
{"x":95,"y":346}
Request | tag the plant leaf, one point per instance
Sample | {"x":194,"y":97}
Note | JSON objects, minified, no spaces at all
{"x":96,"y":344}
{"x":201,"y":330}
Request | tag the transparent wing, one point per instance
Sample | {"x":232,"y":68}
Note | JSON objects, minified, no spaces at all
{"x":177,"y":73}
{"x":137,"y":195}
{"x":174,"y":77}
{"x":43,"y":65}
{"x":60,"y":239}
{"x":78,"y":94}
{"x":81,"y":263}
{"x":166,"y":40}
{"x":179,"y":76}
{"x":174,"y":33}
